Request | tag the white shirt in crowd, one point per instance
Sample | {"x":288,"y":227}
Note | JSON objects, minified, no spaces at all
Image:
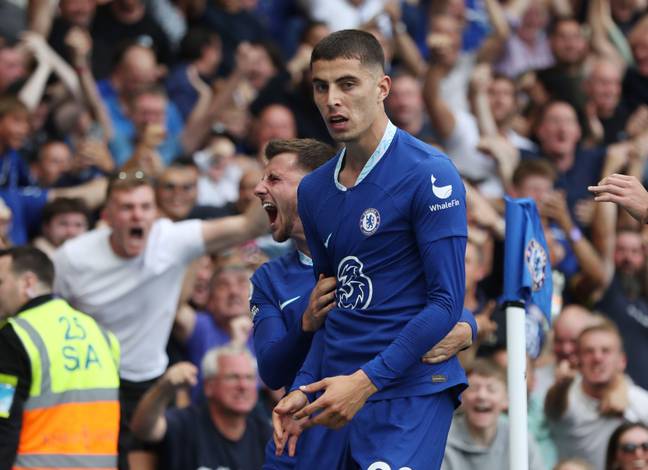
{"x":135,"y":298}
{"x":583,"y":432}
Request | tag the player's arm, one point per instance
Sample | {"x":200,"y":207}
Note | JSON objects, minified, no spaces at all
{"x":280,"y":351}
{"x":461,"y":337}
{"x":296,"y":400}
{"x":441,"y":238}
{"x":223,"y":233}
{"x":15,"y":380}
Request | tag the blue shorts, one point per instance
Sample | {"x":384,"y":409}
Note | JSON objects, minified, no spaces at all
{"x":317,"y":448}
{"x":401,"y":433}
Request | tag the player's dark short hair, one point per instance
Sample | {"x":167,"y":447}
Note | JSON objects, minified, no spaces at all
{"x":65,"y":205}
{"x":350,"y":44}
{"x":533,"y":167}
{"x":311,"y":153}
{"x":487,"y":368}
{"x":30,"y":259}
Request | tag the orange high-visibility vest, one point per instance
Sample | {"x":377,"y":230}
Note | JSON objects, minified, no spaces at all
{"x":71,"y":418}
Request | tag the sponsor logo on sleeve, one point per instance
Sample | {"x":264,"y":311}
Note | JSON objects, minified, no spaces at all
{"x":443,"y":193}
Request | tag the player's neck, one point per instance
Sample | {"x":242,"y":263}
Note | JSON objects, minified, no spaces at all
{"x":359,"y":151}
{"x":300,"y":243}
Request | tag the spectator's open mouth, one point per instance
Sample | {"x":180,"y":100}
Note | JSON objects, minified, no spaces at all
{"x":136,"y":232}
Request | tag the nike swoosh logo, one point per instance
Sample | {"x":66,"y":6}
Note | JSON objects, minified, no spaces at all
{"x":288,"y":302}
{"x":327,"y":240}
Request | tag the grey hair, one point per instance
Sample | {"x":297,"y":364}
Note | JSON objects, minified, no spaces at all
{"x":209,"y":363}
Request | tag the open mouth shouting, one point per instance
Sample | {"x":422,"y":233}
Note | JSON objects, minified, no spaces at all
{"x":272,"y":212}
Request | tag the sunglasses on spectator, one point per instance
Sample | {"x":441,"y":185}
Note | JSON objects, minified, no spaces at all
{"x":631,"y":448}
{"x":128,"y":180}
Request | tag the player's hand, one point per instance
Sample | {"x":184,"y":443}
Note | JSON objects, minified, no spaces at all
{"x":459,"y":338}
{"x":626,"y":191}
{"x":182,"y":374}
{"x":343,"y":396}
{"x":322,"y":301}
{"x":286,"y":429}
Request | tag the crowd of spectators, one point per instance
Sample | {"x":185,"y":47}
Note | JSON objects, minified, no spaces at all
{"x":139,"y":116}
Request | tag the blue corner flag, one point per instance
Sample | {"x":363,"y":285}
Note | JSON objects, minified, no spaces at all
{"x":527,"y":268}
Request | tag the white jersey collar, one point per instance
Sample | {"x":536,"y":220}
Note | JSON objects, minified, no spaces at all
{"x":376,"y":156}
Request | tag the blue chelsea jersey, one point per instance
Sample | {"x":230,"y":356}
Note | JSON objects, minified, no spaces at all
{"x":396,"y":243}
{"x":279,"y":296}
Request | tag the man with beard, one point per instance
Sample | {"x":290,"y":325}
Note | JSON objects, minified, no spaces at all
{"x":625,"y":301}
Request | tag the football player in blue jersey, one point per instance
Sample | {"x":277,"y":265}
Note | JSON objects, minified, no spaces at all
{"x":387,"y":218}
{"x":288,"y":305}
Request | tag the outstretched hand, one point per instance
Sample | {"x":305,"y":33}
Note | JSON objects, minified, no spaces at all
{"x":626,"y":191}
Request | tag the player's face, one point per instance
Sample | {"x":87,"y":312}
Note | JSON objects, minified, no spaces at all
{"x":349,"y":96}
{"x":277,"y":191}
{"x":130,"y":213}
{"x":484,"y":400}
{"x":234,"y":389}
{"x":600,"y":358}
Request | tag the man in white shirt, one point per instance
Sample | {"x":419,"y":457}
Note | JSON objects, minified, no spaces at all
{"x":128,"y":275}
{"x":584,"y":412}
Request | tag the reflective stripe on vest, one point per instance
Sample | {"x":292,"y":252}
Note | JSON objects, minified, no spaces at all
{"x":71,"y":418}
{"x":66,"y":461}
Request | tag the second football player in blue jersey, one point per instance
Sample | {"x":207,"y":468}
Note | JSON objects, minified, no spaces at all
{"x":287,"y":304}
{"x":387,"y":217}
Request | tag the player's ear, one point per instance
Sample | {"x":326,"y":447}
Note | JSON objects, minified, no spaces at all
{"x":384,"y":85}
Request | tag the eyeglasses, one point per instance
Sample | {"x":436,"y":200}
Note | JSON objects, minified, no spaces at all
{"x":631,"y":448}
{"x":235,"y":378}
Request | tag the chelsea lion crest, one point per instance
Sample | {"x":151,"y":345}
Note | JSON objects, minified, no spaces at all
{"x":535,"y":258}
{"x":369,"y":221}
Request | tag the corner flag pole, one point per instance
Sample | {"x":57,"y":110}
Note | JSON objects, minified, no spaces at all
{"x":527,"y":280}
{"x":516,"y":375}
